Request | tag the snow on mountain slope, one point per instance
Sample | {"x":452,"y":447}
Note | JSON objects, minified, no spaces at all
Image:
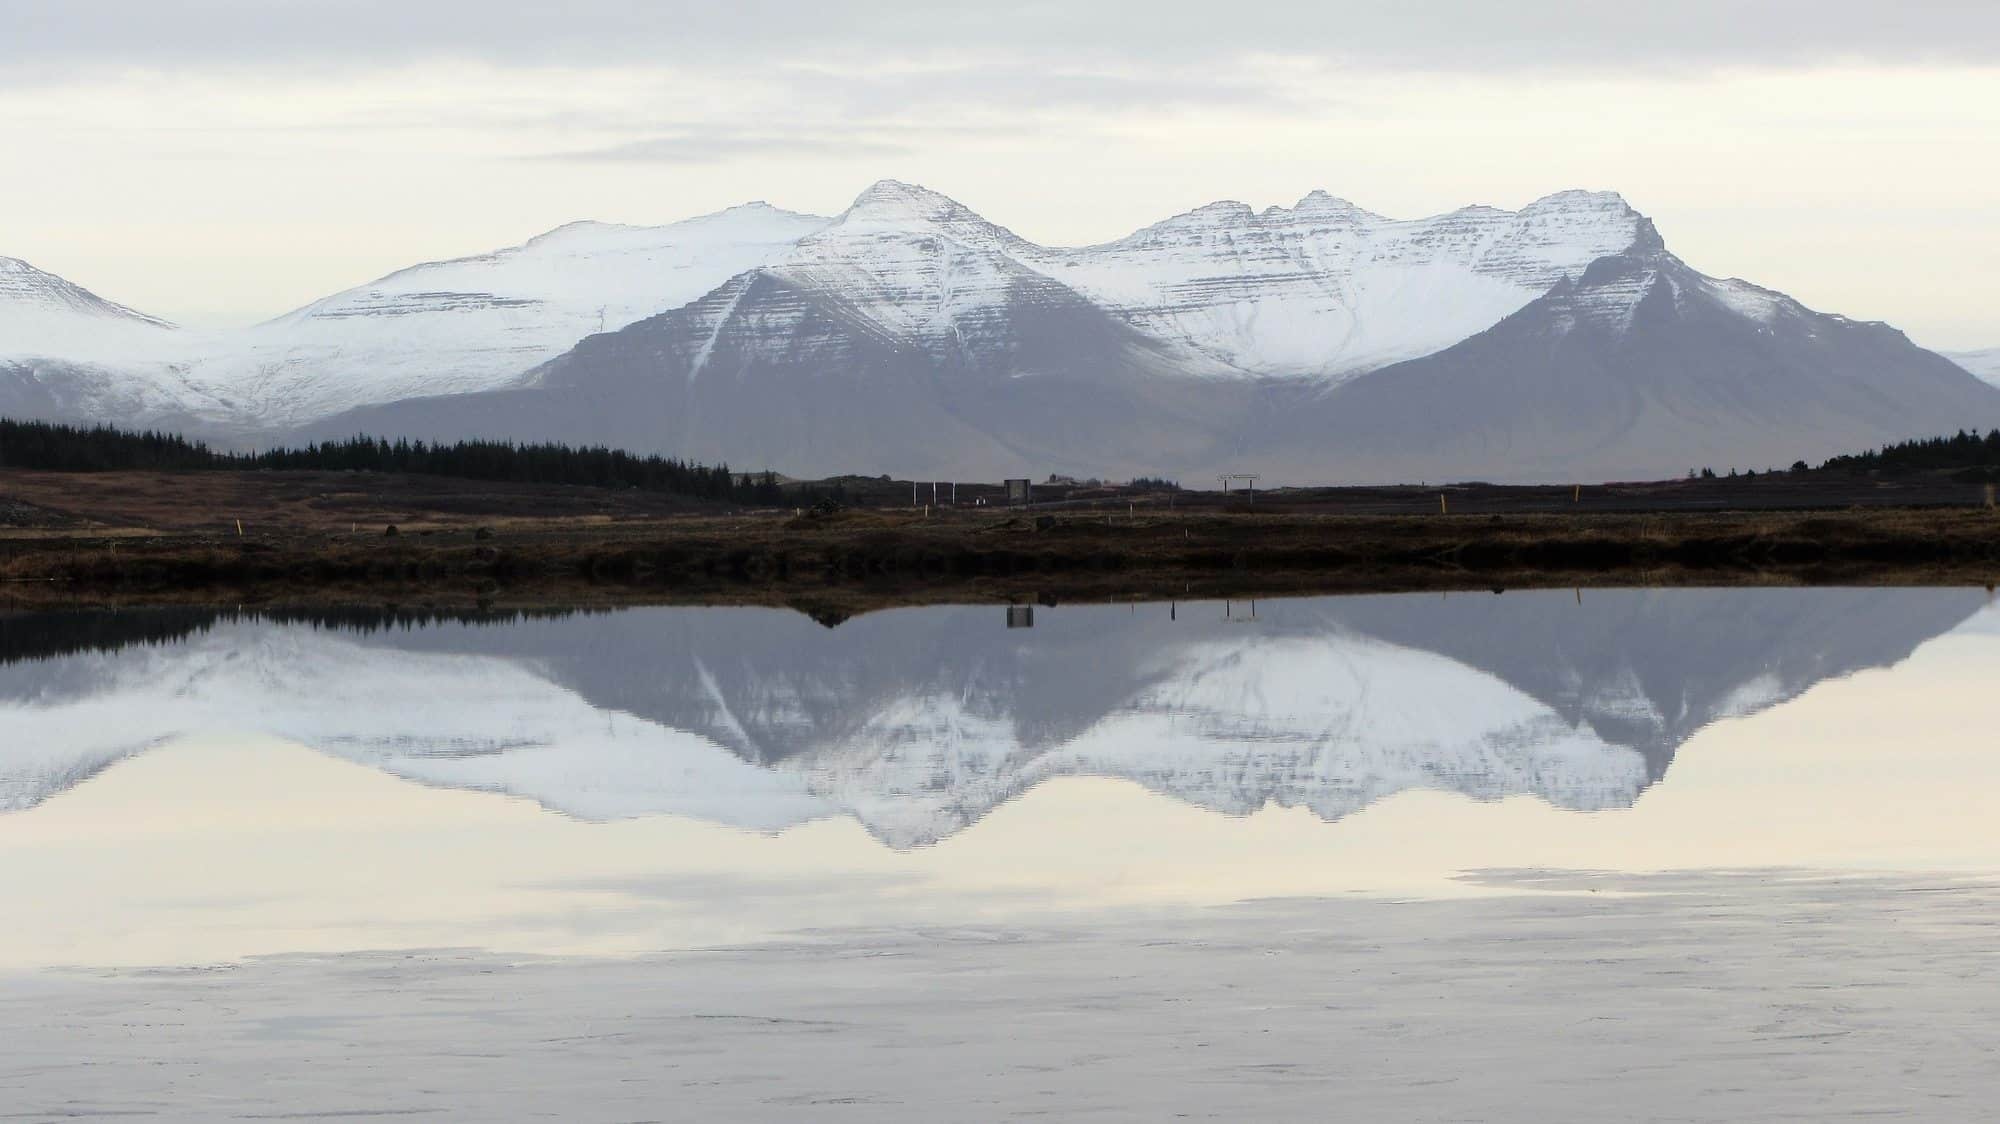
{"x":67,"y":354}
{"x":1323,"y":290}
{"x":1985,"y":364}
{"x":42,"y":316}
{"x":481,"y":322}
{"x":1327,"y":290}
{"x":920,"y":267}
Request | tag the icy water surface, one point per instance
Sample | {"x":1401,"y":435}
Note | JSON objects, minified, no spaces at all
{"x":1666,"y":854}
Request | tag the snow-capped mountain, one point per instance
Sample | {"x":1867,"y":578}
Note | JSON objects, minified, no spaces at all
{"x":1985,"y":364}
{"x":910,"y":335}
{"x":1325,"y":290}
{"x":908,"y":331}
{"x":919,"y":722}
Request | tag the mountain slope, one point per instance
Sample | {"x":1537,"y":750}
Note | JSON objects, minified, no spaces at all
{"x":1642,"y":368}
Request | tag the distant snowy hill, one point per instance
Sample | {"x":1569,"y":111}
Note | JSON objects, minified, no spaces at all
{"x":43,"y":316}
{"x":67,"y":354}
{"x":1316,"y":343}
{"x":478,"y":323}
{"x":1985,"y":364}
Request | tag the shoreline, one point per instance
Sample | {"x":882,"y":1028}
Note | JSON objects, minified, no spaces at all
{"x":855,"y":560}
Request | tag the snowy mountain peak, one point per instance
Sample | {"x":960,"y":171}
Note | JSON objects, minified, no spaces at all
{"x":897,"y":193}
{"x":902,"y":210}
{"x":891,"y":202}
{"x":23,"y":287}
{"x":1319,"y":200}
{"x":1579,"y":201}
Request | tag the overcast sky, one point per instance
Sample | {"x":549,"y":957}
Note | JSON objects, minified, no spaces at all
{"x":221,"y":161}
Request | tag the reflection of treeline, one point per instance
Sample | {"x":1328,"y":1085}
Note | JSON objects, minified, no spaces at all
{"x":1967,"y":454}
{"x":66,"y":448}
{"x":48,"y":635}
{"x":52,"y":635}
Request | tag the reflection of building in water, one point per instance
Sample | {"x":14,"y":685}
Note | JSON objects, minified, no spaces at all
{"x":1020,"y":616}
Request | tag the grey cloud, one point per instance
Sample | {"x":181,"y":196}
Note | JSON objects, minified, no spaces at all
{"x":47,"y":36}
{"x":1028,"y":86}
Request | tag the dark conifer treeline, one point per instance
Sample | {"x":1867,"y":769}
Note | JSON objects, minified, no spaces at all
{"x":65,"y":448}
{"x":1968,"y":454}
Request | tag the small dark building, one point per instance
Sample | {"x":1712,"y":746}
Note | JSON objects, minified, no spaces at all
{"x":1020,"y":491}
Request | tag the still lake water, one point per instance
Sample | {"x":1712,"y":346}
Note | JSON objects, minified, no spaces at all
{"x":1530,"y":856}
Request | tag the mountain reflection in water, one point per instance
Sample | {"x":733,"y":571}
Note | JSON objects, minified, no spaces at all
{"x":918,"y":722}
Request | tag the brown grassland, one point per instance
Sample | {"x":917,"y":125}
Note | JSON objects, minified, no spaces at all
{"x":266,"y":538}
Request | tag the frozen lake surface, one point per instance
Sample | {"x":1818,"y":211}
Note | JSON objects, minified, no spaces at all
{"x":1624,"y":855}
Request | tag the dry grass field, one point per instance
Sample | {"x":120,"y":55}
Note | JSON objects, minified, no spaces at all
{"x":256,"y":537}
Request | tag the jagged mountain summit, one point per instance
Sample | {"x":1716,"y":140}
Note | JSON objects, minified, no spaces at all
{"x":1325,"y":290}
{"x":1316,"y":343}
